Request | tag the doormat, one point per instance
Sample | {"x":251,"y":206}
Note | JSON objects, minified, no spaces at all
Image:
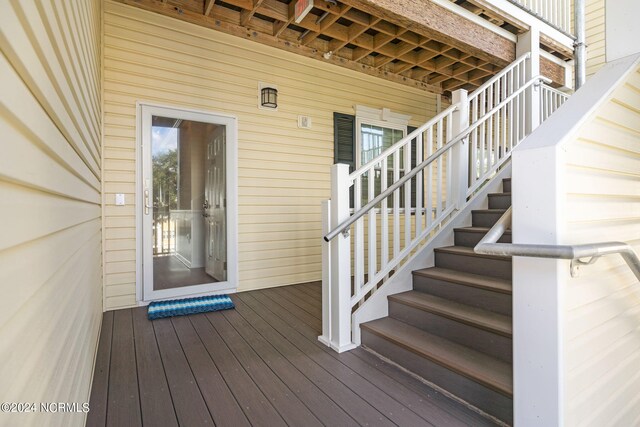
{"x":182,"y":307}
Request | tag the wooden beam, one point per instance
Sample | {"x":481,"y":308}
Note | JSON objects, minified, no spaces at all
{"x":270,"y":40}
{"x":246,"y":15}
{"x":327,"y":21}
{"x":208,"y":5}
{"x":435,"y":22}
{"x":279,"y":27}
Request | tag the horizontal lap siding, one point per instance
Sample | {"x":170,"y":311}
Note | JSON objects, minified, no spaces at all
{"x":284,"y":172}
{"x":602,"y":324}
{"x":50,"y":251}
{"x":595,"y":33}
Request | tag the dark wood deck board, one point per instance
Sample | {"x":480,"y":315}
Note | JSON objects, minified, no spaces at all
{"x":432,"y":412}
{"x":123,"y":406}
{"x":253,"y":402}
{"x":305,"y":304}
{"x":155,"y":400}
{"x":222,"y":405}
{"x":188,"y":402}
{"x":313,"y":289}
{"x":290,"y":407}
{"x":100,"y":387}
{"x":359,"y":408}
{"x":260,"y":365}
{"x":309,"y":393}
{"x":395,"y":411}
{"x":296,"y":311}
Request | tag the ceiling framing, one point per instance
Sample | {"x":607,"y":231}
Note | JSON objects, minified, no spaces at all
{"x":346,"y":34}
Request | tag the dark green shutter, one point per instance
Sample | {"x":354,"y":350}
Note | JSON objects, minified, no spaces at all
{"x":344,"y":142}
{"x":344,"y":139}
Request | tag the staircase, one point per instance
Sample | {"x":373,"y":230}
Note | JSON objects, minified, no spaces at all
{"x":454,"y":328}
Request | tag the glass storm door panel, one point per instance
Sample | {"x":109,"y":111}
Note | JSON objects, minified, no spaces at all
{"x":184,"y":188}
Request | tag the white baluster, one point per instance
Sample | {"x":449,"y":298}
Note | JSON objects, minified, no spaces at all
{"x":384,"y":218}
{"x":419,"y":184}
{"x":358,"y":238}
{"x":407,"y":196}
{"x":429,"y":202}
{"x":396,"y":205}
{"x":372,"y":235}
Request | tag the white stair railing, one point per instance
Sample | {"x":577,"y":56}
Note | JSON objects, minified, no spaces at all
{"x":551,"y":100}
{"x":396,"y":208}
{"x":555,"y":12}
{"x":501,"y":123}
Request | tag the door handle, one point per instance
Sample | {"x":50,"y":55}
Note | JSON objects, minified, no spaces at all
{"x":147,"y":204}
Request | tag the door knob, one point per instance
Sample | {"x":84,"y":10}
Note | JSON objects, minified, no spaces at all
{"x":205,"y":207}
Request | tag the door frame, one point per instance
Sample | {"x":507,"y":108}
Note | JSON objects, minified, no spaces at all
{"x":231,"y":122}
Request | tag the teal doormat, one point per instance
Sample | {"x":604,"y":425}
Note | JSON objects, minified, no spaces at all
{"x":182,"y":307}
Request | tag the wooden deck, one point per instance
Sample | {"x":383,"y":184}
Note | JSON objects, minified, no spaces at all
{"x":260,"y":364}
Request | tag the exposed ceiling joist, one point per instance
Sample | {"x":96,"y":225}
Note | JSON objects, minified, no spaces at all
{"x":411,"y":42}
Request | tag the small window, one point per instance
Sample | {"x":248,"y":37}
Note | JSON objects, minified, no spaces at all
{"x":374,"y":139}
{"x":360,"y":139}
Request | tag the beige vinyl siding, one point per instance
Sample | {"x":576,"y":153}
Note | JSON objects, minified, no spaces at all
{"x":50,"y":207}
{"x":602,"y":317}
{"x":284,"y":172}
{"x":595,"y":25}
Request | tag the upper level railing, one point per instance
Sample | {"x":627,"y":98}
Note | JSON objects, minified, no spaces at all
{"x":390,"y":207}
{"x":555,"y":12}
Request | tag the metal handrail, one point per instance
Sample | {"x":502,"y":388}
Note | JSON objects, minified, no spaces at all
{"x":489,"y":246}
{"x":461,"y":136}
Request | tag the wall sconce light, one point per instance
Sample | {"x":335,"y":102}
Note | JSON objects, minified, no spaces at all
{"x":268,"y":97}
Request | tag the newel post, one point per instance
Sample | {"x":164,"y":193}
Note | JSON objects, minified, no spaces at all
{"x":530,"y":42}
{"x":460,"y":153}
{"x":340,"y":299}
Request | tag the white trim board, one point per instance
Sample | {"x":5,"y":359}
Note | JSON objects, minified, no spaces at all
{"x":384,"y":115}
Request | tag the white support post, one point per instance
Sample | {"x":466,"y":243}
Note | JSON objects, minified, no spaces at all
{"x":325,"y":338}
{"x":530,"y":42}
{"x":460,"y":153}
{"x":538,"y":287}
{"x":340,"y":301}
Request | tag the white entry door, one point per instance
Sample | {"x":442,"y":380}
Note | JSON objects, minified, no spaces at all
{"x":186,"y":203}
{"x":215,"y":206}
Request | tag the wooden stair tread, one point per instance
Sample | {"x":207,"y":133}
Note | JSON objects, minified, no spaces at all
{"x":464,"y":250}
{"x":499,"y":194}
{"x":483,"y":230}
{"x":476,"y":280}
{"x":483,"y":319}
{"x":479,"y":367}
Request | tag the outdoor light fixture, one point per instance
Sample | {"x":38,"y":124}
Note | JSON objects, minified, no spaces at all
{"x":269,"y":97}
